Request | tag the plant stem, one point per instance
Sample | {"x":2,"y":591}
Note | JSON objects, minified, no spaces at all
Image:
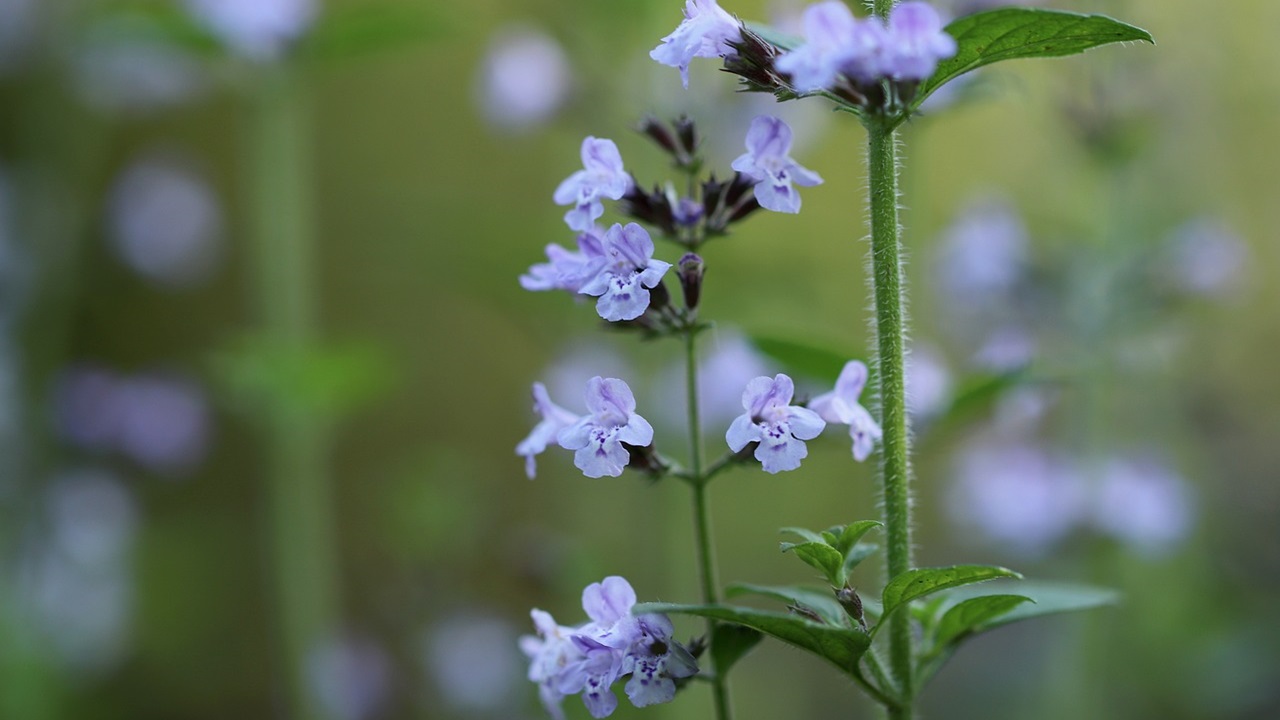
{"x":891,"y":331}
{"x":702,"y":518}
{"x":299,"y":493}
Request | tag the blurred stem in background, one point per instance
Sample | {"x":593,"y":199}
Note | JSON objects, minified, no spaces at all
{"x":282,"y":238}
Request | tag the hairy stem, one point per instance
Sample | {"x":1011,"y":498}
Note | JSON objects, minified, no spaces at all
{"x":298,"y":488}
{"x":891,"y":330}
{"x":702,"y":518}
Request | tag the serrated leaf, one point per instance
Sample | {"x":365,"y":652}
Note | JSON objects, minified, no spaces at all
{"x":822,"y":602}
{"x":974,"y":615}
{"x":918,"y":583}
{"x":730,"y":643}
{"x":820,"y":556}
{"x":841,"y":646}
{"x":799,"y":358}
{"x":1012,"y":33}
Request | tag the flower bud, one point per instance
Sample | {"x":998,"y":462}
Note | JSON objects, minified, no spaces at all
{"x":656,"y":131}
{"x":688,"y":134}
{"x":659,"y":297}
{"x":690,"y":270}
{"x":852,"y":604}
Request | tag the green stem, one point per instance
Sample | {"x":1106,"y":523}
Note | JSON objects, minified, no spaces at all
{"x":300,"y":505}
{"x":891,"y":330}
{"x":702,"y":519}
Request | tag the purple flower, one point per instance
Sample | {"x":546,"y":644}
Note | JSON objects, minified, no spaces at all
{"x":1145,"y":503}
{"x":706,"y":32}
{"x":602,"y":176}
{"x":554,"y":419}
{"x":524,"y":80}
{"x":260,"y":30}
{"x":915,"y":42}
{"x":590,"y":658}
{"x":773,"y":422}
{"x":568,"y":270}
{"x":835,"y":42}
{"x":840,"y":406}
{"x":598,"y":437}
{"x":767,"y":162}
{"x":628,"y":269}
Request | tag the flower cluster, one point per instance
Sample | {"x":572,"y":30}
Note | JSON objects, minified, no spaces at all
{"x":588,"y":659}
{"x":707,"y":32}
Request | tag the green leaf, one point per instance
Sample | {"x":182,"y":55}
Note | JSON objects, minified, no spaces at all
{"x":977,"y":395}
{"x":920,"y":582}
{"x":839,"y":645}
{"x":730,"y":643}
{"x":822,"y":602}
{"x":856,"y":555}
{"x":1047,"y":598}
{"x":821,"y":556}
{"x":1011,"y":33}
{"x":973,"y":615}
{"x":808,"y":535}
{"x":800,"y":358}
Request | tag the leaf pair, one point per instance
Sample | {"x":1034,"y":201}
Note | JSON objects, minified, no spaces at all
{"x":834,"y":552}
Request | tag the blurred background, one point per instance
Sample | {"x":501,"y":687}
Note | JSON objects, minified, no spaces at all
{"x":264,"y":358}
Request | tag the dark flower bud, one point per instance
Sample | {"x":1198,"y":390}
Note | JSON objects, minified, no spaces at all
{"x":690,"y":270}
{"x":659,"y":297}
{"x":645,"y":460}
{"x":852,"y":604}
{"x":688,"y":134}
{"x":652,"y":208}
{"x":753,"y":62}
{"x":658,"y":132}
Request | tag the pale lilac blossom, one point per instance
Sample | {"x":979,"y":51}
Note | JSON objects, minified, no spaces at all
{"x":554,"y":419}
{"x":772,"y":421}
{"x":840,"y":407}
{"x":915,"y":42}
{"x":1206,"y":257}
{"x":928,"y":383}
{"x":1144,"y":503}
{"x":835,"y":42}
{"x":768,"y":163}
{"x":598,"y":437}
{"x":549,"y":652}
{"x":628,"y":270}
{"x":524,"y":79}
{"x":474,"y":663}
{"x":259,"y":30}
{"x":350,"y":677}
{"x":601,"y":176}
{"x":568,"y":269}
{"x":705,"y":32}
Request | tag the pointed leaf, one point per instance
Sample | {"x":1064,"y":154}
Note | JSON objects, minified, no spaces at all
{"x":838,"y":645}
{"x":973,"y":615}
{"x":1047,"y":598}
{"x":1010,"y":33}
{"x":920,"y":582}
{"x":730,"y":643}
{"x":820,"y":556}
{"x":822,"y":602}
{"x":808,"y":535}
{"x":850,"y":534}
{"x":856,"y":555}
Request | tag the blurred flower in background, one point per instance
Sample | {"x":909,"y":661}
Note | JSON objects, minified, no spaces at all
{"x":1205,"y":257}
{"x":928,"y":382}
{"x":351,"y":677}
{"x":524,"y":79}
{"x":1142,"y":502}
{"x":259,"y":30}
{"x":18,"y":32}
{"x":77,"y":577}
{"x":125,"y":65}
{"x":475,"y":663}
{"x":982,"y":255}
{"x":164,"y":221}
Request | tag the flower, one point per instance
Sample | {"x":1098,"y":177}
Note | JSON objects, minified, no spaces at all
{"x":706,"y":32}
{"x":524,"y":79}
{"x":590,"y":658}
{"x":767,"y":162}
{"x":915,"y":42}
{"x":568,"y":270}
{"x":598,"y":437}
{"x":840,"y":406}
{"x":773,"y":422}
{"x":835,"y":42}
{"x":257,"y":29}
{"x":554,"y":419}
{"x":628,"y":269}
{"x":602,"y":176}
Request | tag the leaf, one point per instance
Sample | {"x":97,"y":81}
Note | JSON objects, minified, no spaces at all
{"x":821,"y":556}
{"x":860,"y":552}
{"x":1047,"y":598}
{"x":800,"y":358}
{"x":973,"y":615}
{"x":822,"y":602}
{"x":977,"y":395}
{"x":730,"y":643}
{"x":914,"y":584}
{"x":808,"y":535}
{"x":841,"y":646}
{"x":1011,"y":33}
{"x":850,"y":534}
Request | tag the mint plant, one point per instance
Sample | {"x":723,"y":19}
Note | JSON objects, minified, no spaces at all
{"x":879,"y":69}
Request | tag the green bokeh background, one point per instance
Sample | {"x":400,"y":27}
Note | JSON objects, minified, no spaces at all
{"x":425,"y":215}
